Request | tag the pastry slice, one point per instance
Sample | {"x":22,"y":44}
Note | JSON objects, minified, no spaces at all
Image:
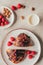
{"x":16,"y":56}
{"x":22,"y":40}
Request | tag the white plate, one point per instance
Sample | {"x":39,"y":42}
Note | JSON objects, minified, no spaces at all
{"x":26,"y":61}
{"x":11,"y":19}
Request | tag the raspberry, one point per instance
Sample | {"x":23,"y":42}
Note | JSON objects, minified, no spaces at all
{"x":2,"y":24}
{"x":0,"y":16}
{"x":6,"y":23}
{"x":9,"y":43}
{"x":19,"y":6}
{"x":33,"y":52}
{"x":3,"y":20}
{"x":29,"y":52}
{"x":30,"y":56}
{"x":12,"y":39}
{"x":0,"y":21}
{"x":13,"y":8}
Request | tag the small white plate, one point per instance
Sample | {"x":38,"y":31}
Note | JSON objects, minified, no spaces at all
{"x":11,"y":19}
{"x":33,"y":19}
{"x":26,"y":61}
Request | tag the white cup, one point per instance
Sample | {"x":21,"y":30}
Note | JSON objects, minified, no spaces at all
{"x":33,"y":19}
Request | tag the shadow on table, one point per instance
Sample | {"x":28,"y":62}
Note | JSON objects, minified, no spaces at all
{"x":41,"y":18}
{"x":41,"y":43}
{"x":15,"y":18}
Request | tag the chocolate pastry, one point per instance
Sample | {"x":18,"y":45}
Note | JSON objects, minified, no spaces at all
{"x":22,"y":40}
{"x":16,"y":56}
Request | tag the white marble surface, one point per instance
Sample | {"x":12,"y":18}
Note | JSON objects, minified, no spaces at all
{"x":38,"y":30}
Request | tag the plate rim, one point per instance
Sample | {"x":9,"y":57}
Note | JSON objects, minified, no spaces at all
{"x":15,"y":30}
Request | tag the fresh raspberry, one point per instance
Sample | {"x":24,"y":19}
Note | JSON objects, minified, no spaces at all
{"x":12,"y":38}
{"x":19,"y":6}
{"x":2,"y":24}
{"x":0,"y":21}
{"x":29,"y":52}
{"x":13,"y":7}
{"x":6,"y":23}
{"x":30,"y":56}
{"x":3,"y":20}
{"x":9,"y":43}
{"x":0,"y":16}
{"x":33,"y":52}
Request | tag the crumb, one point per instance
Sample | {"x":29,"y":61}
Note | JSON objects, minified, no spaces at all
{"x":23,"y":6}
{"x":22,"y":17}
{"x":33,"y":8}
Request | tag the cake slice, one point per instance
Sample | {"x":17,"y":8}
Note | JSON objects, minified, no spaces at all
{"x":22,"y":40}
{"x":16,"y":56}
